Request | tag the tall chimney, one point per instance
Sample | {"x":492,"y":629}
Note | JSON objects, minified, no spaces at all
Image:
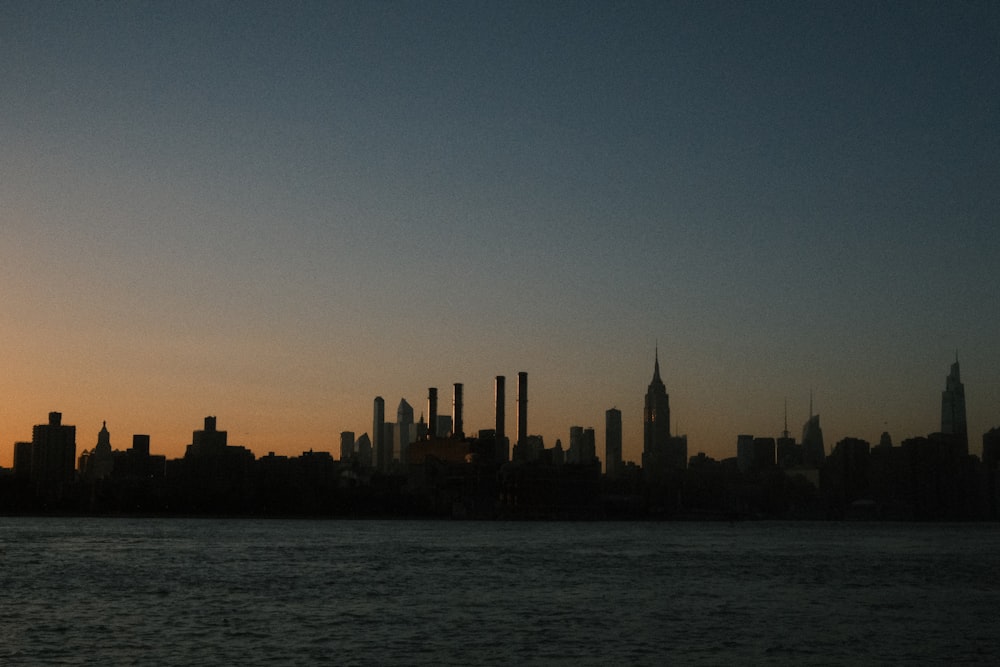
{"x":500,"y":403}
{"x":432,"y":412}
{"x":522,"y":408}
{"x":456,"y":412}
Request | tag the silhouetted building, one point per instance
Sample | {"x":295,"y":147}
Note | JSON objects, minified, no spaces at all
{"x":744,"y":452}
{"x":22,"y":460}
{"x":216,"y":475}
{"x":432,"y":413}
{"x":847,"y":472}
{"x":458,"y":424}
{"x":789,"y":453}
{"x":656,"y":413}
{"x":991,"y":449}
{"x":363,"y":447}
{"x":136,"y":463}
{"x":53,"y":457}
{"x":763,"y":454}
{"x":346,"y":446}
{"x":382,"y":450}
{"x":444,"y":426}
{"x":406,"y":430}
{"x":813,"y":450}
{"x":558,"y":454}
{"x":661,"y":453}
{"x":613,"y":442}
{"x":500,"y":406}
{"x":522,"y":408}
{"x":953,"y":409}
{"x":97,"y":463}
{"x":574,"y":454}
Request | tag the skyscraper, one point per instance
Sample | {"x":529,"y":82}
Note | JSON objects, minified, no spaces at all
{"x":613,"y":442}
{"x":405,"y":430}
{"x":53,"y":456}
{"x":346,"y":446}
{"x":522,"y":408}
{"x":383,"y":450}
{"x":660,"y":451}
{"x":656,"y":412}
{"x":813,"y":450}
{"x":953,"y":409}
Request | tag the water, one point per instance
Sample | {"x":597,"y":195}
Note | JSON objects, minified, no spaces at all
{"x":209,"y":592}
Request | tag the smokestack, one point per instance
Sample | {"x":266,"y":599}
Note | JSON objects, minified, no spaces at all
{"x":432,"y":412}
{"x":522,"y":408}
{"x":500,"y":403}
{"x":456,"y":412}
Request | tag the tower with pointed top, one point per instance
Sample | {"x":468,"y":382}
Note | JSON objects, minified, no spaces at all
{"x":953,"y":408}
{"x":660,"y":451}
{"x":656,"y":411}
{"x":813,"y":449}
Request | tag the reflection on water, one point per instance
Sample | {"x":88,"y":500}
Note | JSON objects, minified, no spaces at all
{"x":168,"y":591}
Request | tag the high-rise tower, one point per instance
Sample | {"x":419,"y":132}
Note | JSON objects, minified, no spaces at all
{"x":661,"y":453}
{"x":406,"y":432}
{"x":613,"y":442}
{"x":383,"y":450}
{"x":953,"y":408}
{"x":813,"y":449}
{"x":522,"y":408}
{"x":656,"y":413}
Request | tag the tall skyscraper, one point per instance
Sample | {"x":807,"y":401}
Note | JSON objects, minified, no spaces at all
{"x":953,"y":409}
{"x":613,"y":442}
{"x":660,"y":451}
{"x":53,"y":456}
{"x":522,"y":408}
{"x":382,"y":450}
{"x":656,"y":412}
{"x":346,"y":446}
{"x":813,"y":450}
{"x":405,"y":430}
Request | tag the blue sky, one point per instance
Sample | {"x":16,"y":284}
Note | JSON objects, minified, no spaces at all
{"x":275,"y":212}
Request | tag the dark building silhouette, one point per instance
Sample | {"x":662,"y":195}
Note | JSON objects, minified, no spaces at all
{"x":346,"y":446}
{"x":613,"y":442}
{"x":991,"y":449}
{"x":98,"y":463}
{"x":847,"y":474}
{"x":53,"y":457}
{"x":215,"y":475}
{"x":457,"y":418}
{"x":432,"y":413}
{"x":522,"y":408}
{"x":953,"y":409}
{"x":363,"y":447}
{"x":660,"y":451}
{"x":813,"y":450}
{"x":500,"y":431}
{"x":382,"y":457}
{"x":406,"y":430}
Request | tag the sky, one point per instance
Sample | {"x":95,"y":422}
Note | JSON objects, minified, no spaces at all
{"x":274,"y":212}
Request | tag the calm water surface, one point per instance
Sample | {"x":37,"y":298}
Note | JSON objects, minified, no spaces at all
{"x":208,"y":592}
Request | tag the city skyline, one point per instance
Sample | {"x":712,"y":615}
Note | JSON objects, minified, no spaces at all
{"x":405,"y":414}
{"x":274,"y":214}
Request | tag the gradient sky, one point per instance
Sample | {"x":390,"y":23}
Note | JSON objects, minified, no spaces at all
{"x":274,"y":212}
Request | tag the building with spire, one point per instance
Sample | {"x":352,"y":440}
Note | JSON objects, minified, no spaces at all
{"x":660,"y":451}
{"x":953,"y":409}
{"x":98,"y":463}
{"x":813,"y":450}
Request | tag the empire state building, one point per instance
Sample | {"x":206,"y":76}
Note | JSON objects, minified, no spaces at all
{"x":656,"y":413}
{"x":661,"y":452}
